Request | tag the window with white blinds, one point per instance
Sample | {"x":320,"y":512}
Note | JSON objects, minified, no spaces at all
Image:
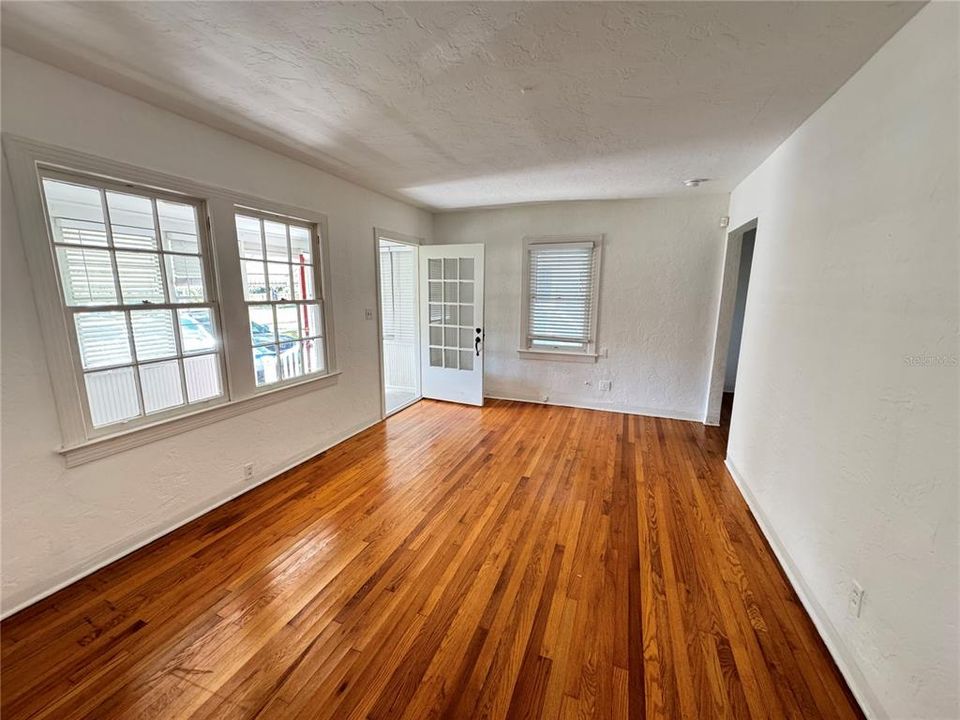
{"x":398,"y":280}
{"x":560,"y":293}
{"x":137,"y":298}
{"x":166,"y":304}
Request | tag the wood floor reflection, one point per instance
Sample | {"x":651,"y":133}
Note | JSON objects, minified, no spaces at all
{"x":516,"y":560}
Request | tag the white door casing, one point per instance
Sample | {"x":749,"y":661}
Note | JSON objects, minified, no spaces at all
{"x":451,"y":322}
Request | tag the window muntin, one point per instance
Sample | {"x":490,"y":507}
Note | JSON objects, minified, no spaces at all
{"x":278,"y":262}
{"x":29,"y":162}
{"x":560,"y":294}
{"x":131,"y":270}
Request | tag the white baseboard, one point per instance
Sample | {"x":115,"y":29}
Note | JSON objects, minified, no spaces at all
{"x":611,"y":407}
{"x":869,"y":702}
{"x":116,"y":551}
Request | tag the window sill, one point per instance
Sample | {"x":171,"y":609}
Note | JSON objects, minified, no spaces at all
{"x":559,"y":355}
{"x":113,"y":444}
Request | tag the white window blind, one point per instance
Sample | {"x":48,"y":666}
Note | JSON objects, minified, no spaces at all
{"x":136,"y":294}
{"x":143,"y":298}
{"x":399,"y":318}
{"x":398,"y":290}
{"x":561,"y":295}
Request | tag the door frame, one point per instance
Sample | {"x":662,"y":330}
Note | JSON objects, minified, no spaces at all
{"x":403,"y":239}
{"x":725,"y":308}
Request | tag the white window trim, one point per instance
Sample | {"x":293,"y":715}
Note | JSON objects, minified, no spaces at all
{"x":79,"y":444}
{"x":319,"y":285}
{"x":588,"y":354}
{"x":145,"y":434}
{"x":45,"y":171}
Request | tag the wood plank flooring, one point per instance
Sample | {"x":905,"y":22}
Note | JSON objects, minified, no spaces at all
{"x":514,"y":561}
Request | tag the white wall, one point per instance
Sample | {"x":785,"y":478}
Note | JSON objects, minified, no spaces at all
{"x":658,"y":287}
{"x":56,"y":522}
{"x":847,"y":446}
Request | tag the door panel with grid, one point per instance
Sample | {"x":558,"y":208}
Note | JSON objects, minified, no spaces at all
{"x":451,"y":292}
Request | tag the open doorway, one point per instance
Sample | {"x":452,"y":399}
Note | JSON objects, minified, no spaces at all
{"x":738,"y":262}
{"x":736,"y":327}
{"x":397,"y":268}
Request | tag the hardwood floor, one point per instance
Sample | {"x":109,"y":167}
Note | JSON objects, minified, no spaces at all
{"x":518,"y":561}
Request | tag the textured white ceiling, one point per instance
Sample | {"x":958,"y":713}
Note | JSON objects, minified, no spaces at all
{"x":458,"y":105}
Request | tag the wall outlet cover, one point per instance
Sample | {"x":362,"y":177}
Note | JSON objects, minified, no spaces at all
{"x":855,"y":601}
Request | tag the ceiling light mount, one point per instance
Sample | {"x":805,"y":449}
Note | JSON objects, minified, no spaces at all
{"x":695,"y":182}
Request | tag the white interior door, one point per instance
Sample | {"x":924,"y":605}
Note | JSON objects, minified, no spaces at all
{"x":451,"y":322}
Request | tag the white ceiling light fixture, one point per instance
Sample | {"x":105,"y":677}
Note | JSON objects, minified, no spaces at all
{"x":695,"y":182}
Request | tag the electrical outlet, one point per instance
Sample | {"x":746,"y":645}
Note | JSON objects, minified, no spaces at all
{"x":248,"y":471}
{"x":855,"y":601}
{"x":606,"y":385}
{"x":368,"y":314}
{"x":604,"y":352}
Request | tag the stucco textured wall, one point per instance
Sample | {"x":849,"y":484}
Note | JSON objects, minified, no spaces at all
{"x":845,"y":419}
{"x":659,"y":284}
{"x":58,"y":523}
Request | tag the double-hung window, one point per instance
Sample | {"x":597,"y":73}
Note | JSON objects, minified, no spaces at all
{"x":166,"y":304}
{"x":560,"y":294}
{"x":136,"y":292}
{"x":278,"y":259}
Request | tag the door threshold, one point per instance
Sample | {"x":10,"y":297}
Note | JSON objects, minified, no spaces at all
{"x":404,"y":406}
